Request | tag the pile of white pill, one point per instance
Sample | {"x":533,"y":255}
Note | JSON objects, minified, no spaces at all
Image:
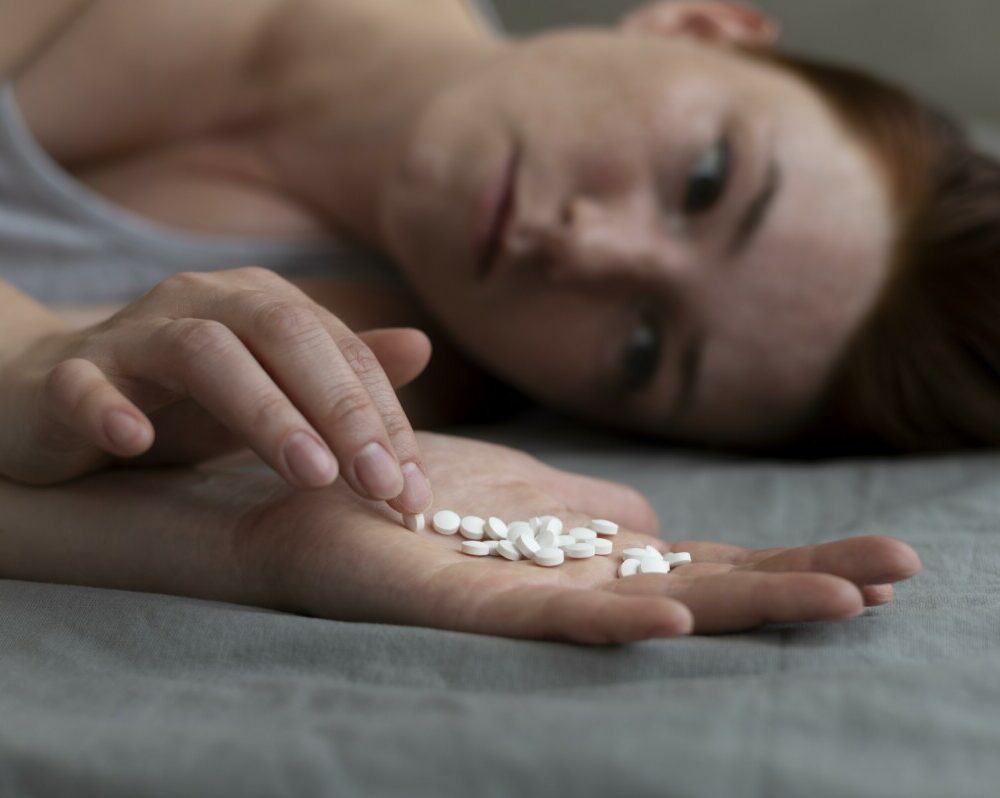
{"x":544,"y":540}
{"x":651,"y":561}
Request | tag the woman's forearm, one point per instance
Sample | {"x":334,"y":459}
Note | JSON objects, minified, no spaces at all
{"x":172,"y":531}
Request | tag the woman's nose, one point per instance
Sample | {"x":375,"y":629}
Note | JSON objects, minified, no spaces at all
{"x":600,"y":240}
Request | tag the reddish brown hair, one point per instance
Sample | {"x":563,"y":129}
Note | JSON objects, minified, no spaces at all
{"x":923,"y":371}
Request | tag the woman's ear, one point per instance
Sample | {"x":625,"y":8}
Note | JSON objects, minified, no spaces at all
{"x":718,"y":22}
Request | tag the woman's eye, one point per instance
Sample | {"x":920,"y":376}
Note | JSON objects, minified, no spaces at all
{"x":641,"y":357}
{"x":707,"y":179}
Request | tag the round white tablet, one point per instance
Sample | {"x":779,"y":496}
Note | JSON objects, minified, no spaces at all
{"x":414,"y":521}
{"x":637,"y":554}
{"x":602,"y":547}
{"x":476,"y":548}
{"x":582,"y":534}
{"x":492,"y":546}
{"x":580,"y":551}
{"x":553,"y":523}
{"x":628,"y":568}
{"x":566,"y":540}
{"x":446,"y":522}
{"x":654,"y":552}
{"x":549,"y":557}
{"x":508,"y":551}
{"x":496,"y":529}
{"x":518,"y":528}
{"x":472,"y":527}
{"x":653,"y":565}
{"x":547,"y":538}
{"x":676,"y":558}
{"x":604,"y":527}
{"x":534,"y":522}
{"x":527,"y":545}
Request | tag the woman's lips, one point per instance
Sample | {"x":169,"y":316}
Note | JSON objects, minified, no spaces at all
{"x":497,"y":213}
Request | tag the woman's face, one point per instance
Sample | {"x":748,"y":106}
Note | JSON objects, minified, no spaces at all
{"x":668,"y":236}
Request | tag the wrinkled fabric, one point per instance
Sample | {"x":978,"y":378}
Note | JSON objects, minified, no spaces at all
{"x":108,"y":693}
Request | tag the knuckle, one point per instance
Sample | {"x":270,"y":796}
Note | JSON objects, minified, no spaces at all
{"x":258,"y":275}
{"x":350,"y":408}
{"x":270,"y":412}
{"x":183,"y":281}
{"x":282,"y":320}
{"x":198,"y":338}
{"x":397,"y":426}
{"x":360,"y":358}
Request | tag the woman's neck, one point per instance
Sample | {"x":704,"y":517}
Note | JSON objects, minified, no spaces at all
{"x":352,"y":77}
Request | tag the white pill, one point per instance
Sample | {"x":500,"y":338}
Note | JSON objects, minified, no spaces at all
{"x":492,"y":545}
{"x":604,"y":527}
{"x":566,"y":540}
{"x":527,"y":545}
{"x":554,"y":523}
{"x":508,"y":550}
{"x":446,"y":522}
{"x":534,"y":523}
{"x":580,"y":551}
{"x":602,"y":547}
{"x":549,"y":557}
{"x":414,"y":521}
{"x":518,"y":528}
{"x":676,"y":558}
{"x":655,"y":552}
{"x":547,"y":538}
{"x":581,"y":534}
{"x":653,"y":565}
{"x":628,"y":568}
{"x":472,"y":527}
{"x":636,"y":554}
{"x":476,"y":548}
{"x":496,"y":529}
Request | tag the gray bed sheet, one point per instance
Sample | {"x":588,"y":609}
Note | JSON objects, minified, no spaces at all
{"x":108,"y":693}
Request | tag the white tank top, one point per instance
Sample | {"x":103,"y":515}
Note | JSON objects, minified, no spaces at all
{"x":60,"y":241}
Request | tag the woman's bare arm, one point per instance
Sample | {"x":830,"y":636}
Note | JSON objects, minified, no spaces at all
{"x":233,"y":533}
{"x":28,"y":27}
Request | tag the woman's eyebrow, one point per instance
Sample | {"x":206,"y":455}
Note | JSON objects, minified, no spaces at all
{"x":756,"y":213}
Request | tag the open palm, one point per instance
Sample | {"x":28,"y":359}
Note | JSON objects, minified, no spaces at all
{"x":352,"y":560}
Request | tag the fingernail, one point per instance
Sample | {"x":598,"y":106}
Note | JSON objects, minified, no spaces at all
{"x":416,"y":496}
{"x":122,"y":429}
{"x":309,"y":462}
{"x":378,"y":472}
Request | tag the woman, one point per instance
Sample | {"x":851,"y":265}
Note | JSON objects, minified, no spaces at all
{"x":644,"y":229}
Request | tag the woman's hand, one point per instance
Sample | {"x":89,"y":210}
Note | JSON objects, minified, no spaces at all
{"x":232,"y":533}
{"x":206,"y":363}
{"x":346,"y":559}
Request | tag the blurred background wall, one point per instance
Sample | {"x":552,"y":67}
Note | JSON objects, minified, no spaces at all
{"x":949,"y":50}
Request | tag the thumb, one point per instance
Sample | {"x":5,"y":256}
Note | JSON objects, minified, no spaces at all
{"x":600,"y":498}
{"x":402,"y":352}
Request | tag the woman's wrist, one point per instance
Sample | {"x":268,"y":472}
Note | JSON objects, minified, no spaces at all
{"x":24,"y":322}
{"x":174,"y":531}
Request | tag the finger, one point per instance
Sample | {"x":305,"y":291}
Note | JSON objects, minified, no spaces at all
{"x":583,"y":616}
{"x":337,"y":383}
{"x":415,"y":495}
{"x":876,"y":595}
{"x":403,"y":353}
{"x":600,"y":498}
{"x":741,"y":600}
{"x":203,"y":360}
{"x":868,"y":560}
{"x":325,"y":370}
{"x":80,"y":397}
